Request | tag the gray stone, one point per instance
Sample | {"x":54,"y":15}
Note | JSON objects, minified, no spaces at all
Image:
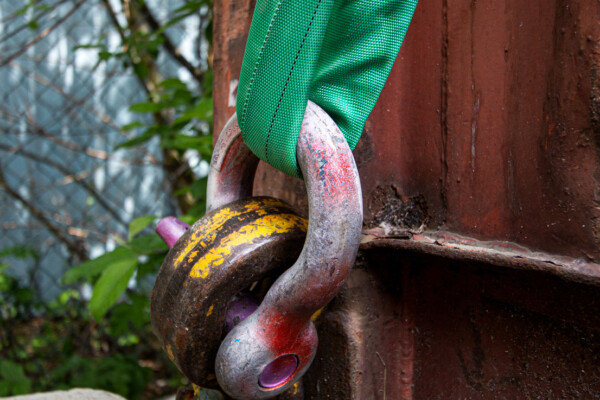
{"x":73,"y":394}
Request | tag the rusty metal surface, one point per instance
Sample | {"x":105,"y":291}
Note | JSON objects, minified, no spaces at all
{"x":493,"y":105}
{"x":424,"y":327}
{"x":498,"y":253}
{"x":480,"y":173}
{"x":490,"y":116}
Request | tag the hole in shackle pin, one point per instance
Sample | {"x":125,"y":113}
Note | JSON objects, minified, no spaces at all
{"x":278,"y":371}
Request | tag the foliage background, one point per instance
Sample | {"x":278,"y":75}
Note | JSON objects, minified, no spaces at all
{"x":105,"y":125}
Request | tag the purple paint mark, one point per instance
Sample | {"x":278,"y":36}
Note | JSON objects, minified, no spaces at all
{"x":278,"y":371}
{"x":170,"y":229}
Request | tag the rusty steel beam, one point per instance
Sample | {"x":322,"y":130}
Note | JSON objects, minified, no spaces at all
{"x":414,"y":326}
{"x":498,"y":253}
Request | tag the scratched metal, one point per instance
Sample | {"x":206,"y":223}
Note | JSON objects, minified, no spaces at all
{"x":282,"y":324}
{"x":232,"y":168}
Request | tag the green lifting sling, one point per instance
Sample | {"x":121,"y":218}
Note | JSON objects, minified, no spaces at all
{"x":337,"y":53}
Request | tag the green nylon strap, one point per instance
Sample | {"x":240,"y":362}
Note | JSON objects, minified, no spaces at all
{"x":337,"y":53}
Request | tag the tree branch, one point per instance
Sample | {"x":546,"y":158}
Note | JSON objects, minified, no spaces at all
{"x":74,"y":246}
{"x":38,"y":130}
{"x":172,"y":161}
{"x":168,"y":44}
{"x":76,"y":102}
{"x":44,"y":160}
{"x":113,"y":17}
{"x":24,"y":26}
{"x":41,"y":36}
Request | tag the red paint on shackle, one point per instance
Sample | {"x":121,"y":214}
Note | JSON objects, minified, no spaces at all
{"x":271,"y":349}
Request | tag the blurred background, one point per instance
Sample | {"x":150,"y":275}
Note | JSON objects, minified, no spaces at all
{"x":105,"y":125}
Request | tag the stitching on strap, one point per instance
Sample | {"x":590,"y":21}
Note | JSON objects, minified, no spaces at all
{"x":288,"y":80}
{"x":262,"y":48}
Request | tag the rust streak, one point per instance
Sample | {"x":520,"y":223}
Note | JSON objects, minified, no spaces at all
{"x":407,"y":340}
{"x":444,"y":103}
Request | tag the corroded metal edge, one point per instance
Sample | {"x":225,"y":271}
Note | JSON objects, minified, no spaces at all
{"x":498,"y":253}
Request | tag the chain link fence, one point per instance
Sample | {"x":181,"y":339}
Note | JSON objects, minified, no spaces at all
{"x":66,"y":194}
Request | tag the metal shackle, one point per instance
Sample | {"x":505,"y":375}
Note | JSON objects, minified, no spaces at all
{"x":272,"y":348}
{"x":197,"y":290}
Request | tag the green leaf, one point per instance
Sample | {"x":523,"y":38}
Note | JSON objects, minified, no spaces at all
{"x":98,"y":265}
{"x":11,"y":371}
{"x":188,"y":219}
{"x":135,"y":313}
{"x":198,"y":210}
{"x":141,"y":69}
{"x":4,"y":388}
{"x":184,"y":142}
{"x":14,"y":377}
{"x":139,"y":224}
{"x":147,"y":244}
{"x":203,"y":110}
{"x":181,"y":191}
{"x":43,"y":7}
{"x":151,"y":264}
{"x":173,"y":83}
{"x":24,"y":9}
{"x":104,"y":55}
{"x":21,"y":252}
{"x":146,"y":107}
{"x":33,"y":25}
{"x":198,"y":188}
{"x":136,"y":141}
{"x":111,"y":286}
{"x":131,"y":126}
{"x":207,"y":84}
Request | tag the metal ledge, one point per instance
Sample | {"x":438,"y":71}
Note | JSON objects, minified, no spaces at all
{"x":503,"y":254}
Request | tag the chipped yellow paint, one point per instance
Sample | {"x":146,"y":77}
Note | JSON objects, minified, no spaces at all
{"x":210,"y":311}
{"x":295,"y":387}
{"x":247,"y":234}
{"x":196,"y":389}
{"x":206,"y":232}
{"x":170,"y":353}
{"x":206,"y":235}
{"x":192,"y":255}
{"x":316,"y":314}
{"x":259,"y":208}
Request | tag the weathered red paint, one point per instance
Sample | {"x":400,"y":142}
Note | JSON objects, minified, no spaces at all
{"x":480,"y":167}
{"x":287,"y":334}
